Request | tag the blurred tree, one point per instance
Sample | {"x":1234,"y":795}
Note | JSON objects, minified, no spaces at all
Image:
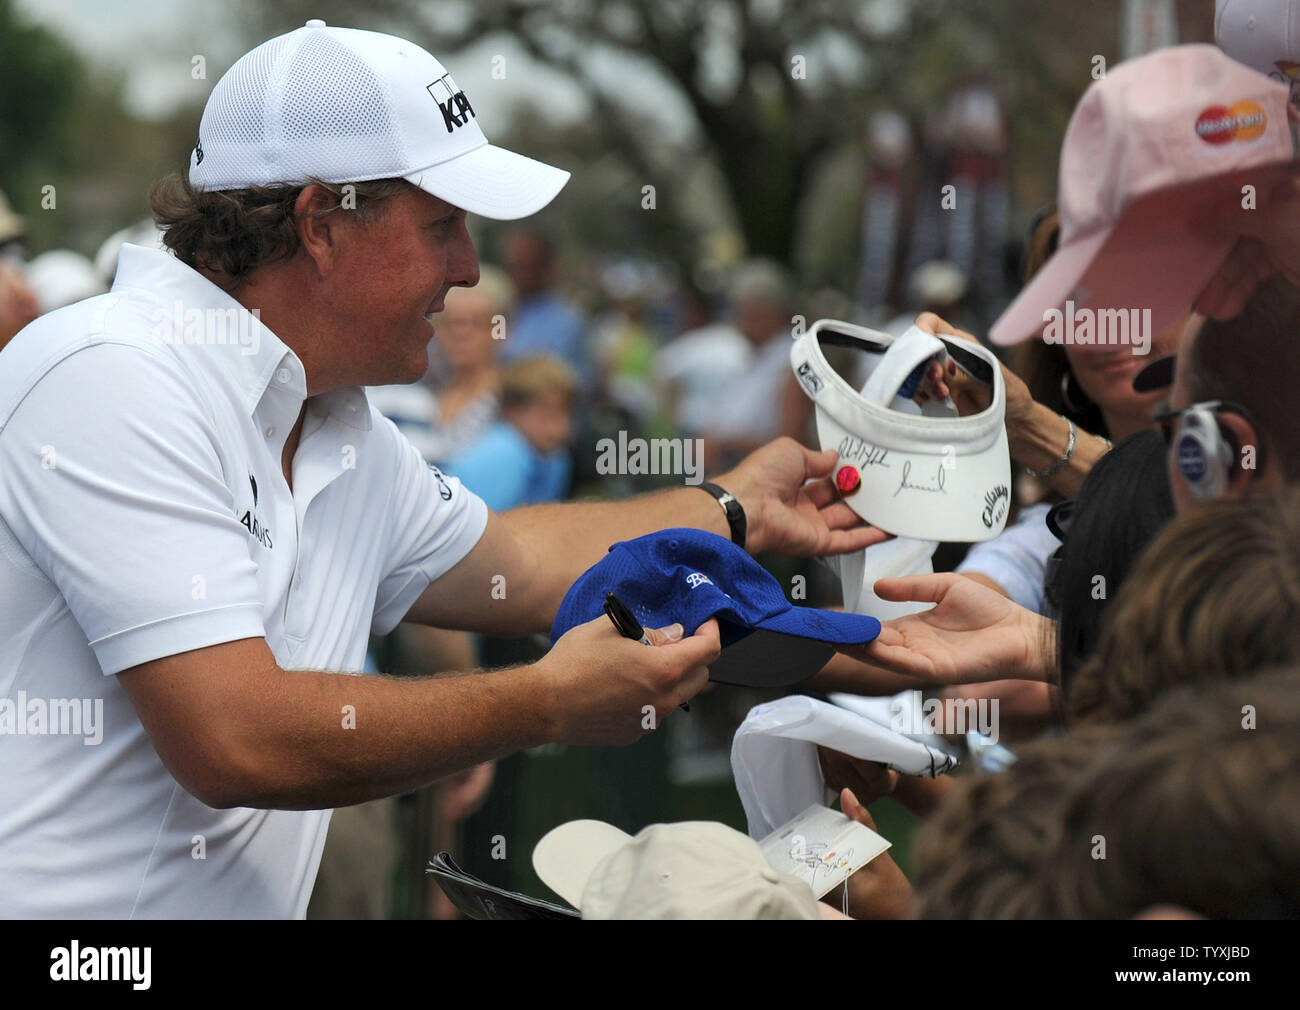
{"x":66,"y":125}
{"x":40,"y":76}
{"x":773,"y":87}
{"x":776,"y":86}
{"x":776,"y":93}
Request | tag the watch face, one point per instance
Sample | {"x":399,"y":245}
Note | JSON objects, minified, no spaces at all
{"x":735,"y":515}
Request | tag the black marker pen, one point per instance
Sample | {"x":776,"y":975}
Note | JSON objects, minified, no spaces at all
{"x":624,"y":620}
{"x":628,"y":626}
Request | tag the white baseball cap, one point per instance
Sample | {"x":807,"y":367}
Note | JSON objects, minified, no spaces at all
{"x":931,"y":475}
{"x":1264,"y":35}
{"x":689,"y":870}
{"x":342,"y":105}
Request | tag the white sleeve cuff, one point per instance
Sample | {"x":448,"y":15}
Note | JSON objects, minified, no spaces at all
{"x":143,"y":644}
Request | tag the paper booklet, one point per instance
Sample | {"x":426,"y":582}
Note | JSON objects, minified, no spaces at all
{"x":478,"y":900}
{"x":822,"y":847}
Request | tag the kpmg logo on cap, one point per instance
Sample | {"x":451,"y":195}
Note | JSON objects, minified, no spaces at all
{"x":455,"y":107}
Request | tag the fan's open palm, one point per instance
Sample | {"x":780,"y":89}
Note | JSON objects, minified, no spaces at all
{"x":973,"y":633}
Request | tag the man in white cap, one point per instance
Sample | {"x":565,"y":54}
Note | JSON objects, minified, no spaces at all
{"x":202,"y":518}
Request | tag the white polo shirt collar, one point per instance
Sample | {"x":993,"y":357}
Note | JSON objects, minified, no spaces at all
{"x":255,"y":361}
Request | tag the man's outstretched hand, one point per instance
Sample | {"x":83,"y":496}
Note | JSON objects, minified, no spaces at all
{"x":973,"y":634}
{"x":791,"y":504}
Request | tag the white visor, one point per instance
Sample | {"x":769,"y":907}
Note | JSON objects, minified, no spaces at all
{"x":932,"y":476}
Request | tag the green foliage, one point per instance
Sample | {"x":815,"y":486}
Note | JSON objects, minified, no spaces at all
{"x":67,"y":126}
{"x":39,"y":78}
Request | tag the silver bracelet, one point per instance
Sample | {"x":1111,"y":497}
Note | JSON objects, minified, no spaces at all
{"x":1064,"y":461}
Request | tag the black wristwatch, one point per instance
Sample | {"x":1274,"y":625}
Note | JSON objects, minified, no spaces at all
{"x":730,"y":505}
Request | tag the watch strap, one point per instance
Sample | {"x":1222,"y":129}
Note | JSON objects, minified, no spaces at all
{"x":731,"y":506}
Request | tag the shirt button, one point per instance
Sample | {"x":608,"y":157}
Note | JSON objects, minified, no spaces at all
{"x":282,"y":376}
{"x":270,"y":432}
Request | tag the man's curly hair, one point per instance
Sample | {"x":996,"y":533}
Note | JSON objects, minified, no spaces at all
{"x":233,"y":232}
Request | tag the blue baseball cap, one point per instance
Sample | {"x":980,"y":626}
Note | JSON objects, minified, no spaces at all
{"x":687,"y":576}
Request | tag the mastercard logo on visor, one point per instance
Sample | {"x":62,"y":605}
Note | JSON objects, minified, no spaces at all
{"x":1222,"y":124}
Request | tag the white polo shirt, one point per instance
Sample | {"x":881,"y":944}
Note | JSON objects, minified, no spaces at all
{"x":143,"y":513}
